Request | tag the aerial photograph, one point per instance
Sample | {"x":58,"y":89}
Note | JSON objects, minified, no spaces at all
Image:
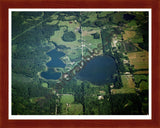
{"x":80,"y":62}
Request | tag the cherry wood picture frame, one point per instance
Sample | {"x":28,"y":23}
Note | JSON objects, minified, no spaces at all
{"x":4,"y":61}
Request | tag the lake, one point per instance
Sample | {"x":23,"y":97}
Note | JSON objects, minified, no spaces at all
{"x":54,"y":63}
{"x":99,"y":70}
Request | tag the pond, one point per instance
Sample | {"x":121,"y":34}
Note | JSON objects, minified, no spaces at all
{"x":54,"y":63}
{"x":99,"y":70}
{"x":51,"y":74}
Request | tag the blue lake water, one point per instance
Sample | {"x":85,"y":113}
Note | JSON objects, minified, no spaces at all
{"x":99,"y":70}
{"x":55,"y":62}
{"x":51,"y":74}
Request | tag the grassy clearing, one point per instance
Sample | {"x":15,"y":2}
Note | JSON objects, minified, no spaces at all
{"x":72,"y":109}
{"x":72,"y":25}
{"x":68,"y":107}
{"x":92,"y":41}
{"x":141,"y":72}
{"x":90,"y":29}
{"x":57,"y":37}
{"x":128,"y":34}
{"x":73,"y":53}
{"x":128,"y":85}
{"x":45,"y":85}
{"x":85,"y":33}
{"x":139,"y":59}
{"x":67,"y":98}
{"x":89,"y":40}
{"x":123,"y":91}
{"x":76,"y":109}
{"x":127,"y":81}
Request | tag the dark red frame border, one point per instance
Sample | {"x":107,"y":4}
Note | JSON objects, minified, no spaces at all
{"x":6,"y":4}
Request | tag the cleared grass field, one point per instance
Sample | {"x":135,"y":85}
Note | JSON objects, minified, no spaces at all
{"x":72,"y":25}
{"x":128,"y":34}
{"x":68,"y":107}
{"x":141,"y":72}
{"x":45,"y":85}
{"x":128,"y":85}
{"x":67,"y":98}
{"x":72,"y":109}
{"x":85,"y":33}
{"x":89,"y":41}
{"x":139,"y":59}
{"x":57,"y":37}
{"x":127,"y":81}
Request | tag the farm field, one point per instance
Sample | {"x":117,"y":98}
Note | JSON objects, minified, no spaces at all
{"x":139,"y":59}
{"x":141,"y":72}
{"x":128,"y":35}
{"x":128,"y":85}
{"x":69,"y":107}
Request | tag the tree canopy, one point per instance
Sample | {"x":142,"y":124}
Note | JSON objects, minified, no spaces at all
{"x":69,"y":36}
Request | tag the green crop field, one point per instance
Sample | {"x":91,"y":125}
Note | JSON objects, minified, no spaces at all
{"x":67,"y":98}
{"x":68,"y":106}
{"x":128,"y":85}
